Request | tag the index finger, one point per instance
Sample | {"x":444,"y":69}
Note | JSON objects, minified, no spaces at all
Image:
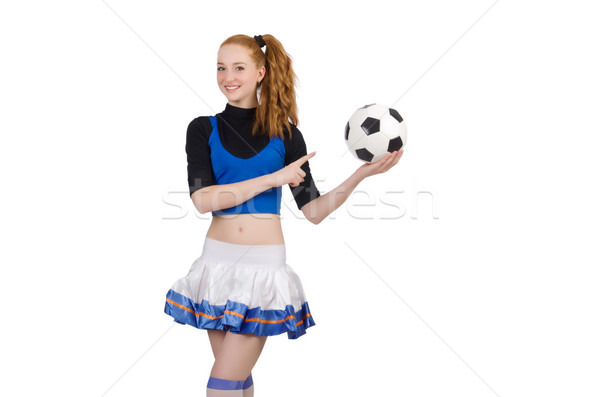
{"x":305,"y":158}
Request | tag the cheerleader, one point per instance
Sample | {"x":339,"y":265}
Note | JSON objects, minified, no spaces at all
{"x":241,"y":289}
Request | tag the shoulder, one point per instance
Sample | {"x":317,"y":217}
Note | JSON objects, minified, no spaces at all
{"x":200,"y":125}
{"x":296,"y":136}
{"x":200,"y":121}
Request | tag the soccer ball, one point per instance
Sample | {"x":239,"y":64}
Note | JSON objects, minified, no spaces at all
{"x":373,"y":131}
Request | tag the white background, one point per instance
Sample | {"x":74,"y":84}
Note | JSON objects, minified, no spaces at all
{"x":488,"y":287}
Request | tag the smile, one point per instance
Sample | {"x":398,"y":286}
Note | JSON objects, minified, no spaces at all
{"x":232,"y":87}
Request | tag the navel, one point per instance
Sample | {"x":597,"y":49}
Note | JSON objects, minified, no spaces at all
{"x":240,"y":229}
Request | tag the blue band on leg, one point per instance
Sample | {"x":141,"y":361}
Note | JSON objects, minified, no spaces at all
{"x":224,"y":384}
{"x":248,"y":382}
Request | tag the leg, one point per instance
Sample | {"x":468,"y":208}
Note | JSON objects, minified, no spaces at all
{"x":237,"y":355}
{"x":216,"y":337}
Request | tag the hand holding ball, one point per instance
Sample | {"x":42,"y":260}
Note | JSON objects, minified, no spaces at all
{"x":374,"y":131}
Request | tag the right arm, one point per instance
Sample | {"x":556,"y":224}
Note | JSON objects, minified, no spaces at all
{"x":217,"y":197}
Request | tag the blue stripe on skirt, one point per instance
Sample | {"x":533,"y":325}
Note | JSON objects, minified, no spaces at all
{"x":238,"y":318}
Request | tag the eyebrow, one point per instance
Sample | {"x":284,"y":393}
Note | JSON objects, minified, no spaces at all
{"x":235,"y":63}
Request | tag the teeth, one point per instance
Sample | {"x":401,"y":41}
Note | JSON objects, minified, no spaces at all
{"x":231,"y":87}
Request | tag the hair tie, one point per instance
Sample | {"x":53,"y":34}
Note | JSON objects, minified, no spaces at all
{"x":260,"y":41}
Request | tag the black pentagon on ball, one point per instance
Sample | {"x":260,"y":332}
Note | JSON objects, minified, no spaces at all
{"x":347,"y":129}
{"x":364,"y":154}
{"x":370,"y":125}
{"x":394,"y":113}
{"x":395,"y":144}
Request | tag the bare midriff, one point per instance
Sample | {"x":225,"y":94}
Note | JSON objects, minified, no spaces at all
{"x":248,"y":229}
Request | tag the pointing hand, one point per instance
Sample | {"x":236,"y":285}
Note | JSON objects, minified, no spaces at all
{"x":292,"y":174}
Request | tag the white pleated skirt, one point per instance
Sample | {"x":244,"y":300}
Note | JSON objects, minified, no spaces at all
{"x":242,"y":289}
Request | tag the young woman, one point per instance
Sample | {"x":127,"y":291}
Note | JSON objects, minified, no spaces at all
{"x":241,"y":289}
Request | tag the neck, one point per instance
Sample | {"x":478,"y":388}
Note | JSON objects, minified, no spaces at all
{"x":237,"y":112}
{"x":247,"y":104}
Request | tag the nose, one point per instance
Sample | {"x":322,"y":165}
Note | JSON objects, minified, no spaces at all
{"x":229,"y":77}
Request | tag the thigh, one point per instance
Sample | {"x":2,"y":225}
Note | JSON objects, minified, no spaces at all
{"x":237,"y":355}
{"x":216,"y":337}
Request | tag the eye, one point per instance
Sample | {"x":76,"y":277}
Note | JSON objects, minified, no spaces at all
{"x":219,"y":67}
{"x":240,"y":67}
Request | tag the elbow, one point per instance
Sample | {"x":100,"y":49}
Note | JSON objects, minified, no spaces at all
{"x":202,"y":209}
{"x":200,"y":204}
{"x":310,"y":213}
{"x":315,"y":221}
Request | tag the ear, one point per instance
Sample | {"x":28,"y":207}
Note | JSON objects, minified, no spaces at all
{"x":261,"y":74}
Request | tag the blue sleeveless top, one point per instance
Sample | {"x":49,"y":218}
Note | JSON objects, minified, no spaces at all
{"x":230,"y":169}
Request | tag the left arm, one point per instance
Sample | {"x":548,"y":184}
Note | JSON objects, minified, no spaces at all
{"x":318,"y":209}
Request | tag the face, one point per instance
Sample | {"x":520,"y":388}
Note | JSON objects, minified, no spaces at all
{"x":238,"y":76}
